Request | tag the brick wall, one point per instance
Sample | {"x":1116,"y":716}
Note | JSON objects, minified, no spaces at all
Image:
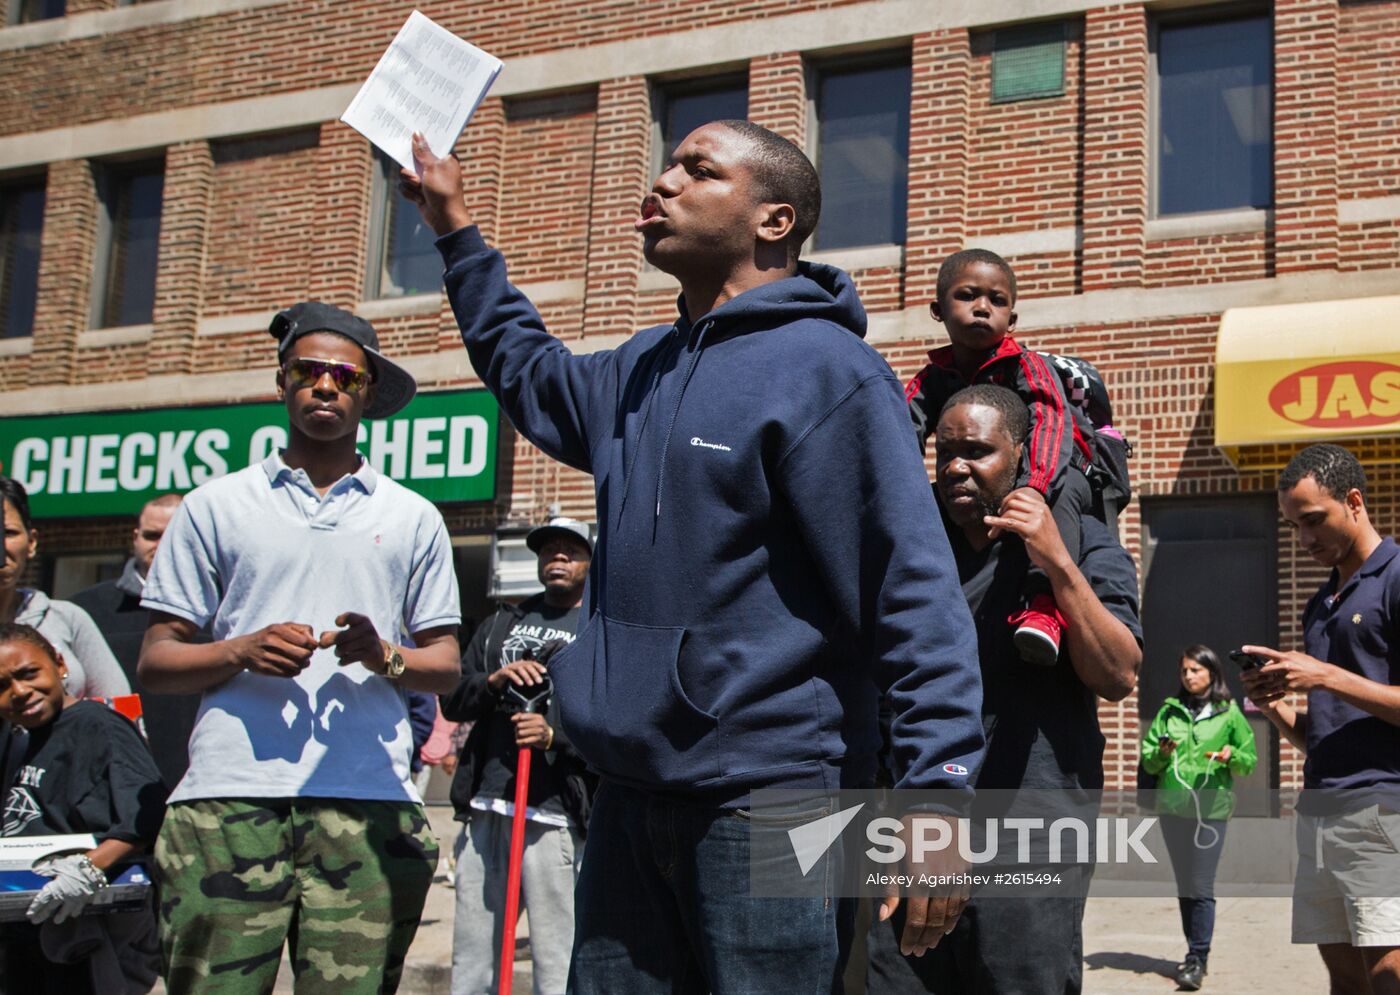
{"x":1114,"y":202}
{"x":1367,"y":92}
{"x":778,"y":95}
{"x":246,"y":53}
{"x":939,"y":111}
{"x":1024,"y":155}
{"x":330,"y":226}
{"x":620,"y":179}
{"x":65,"y":270}
{"x":544,"y":228}
{"x":180,"y":283}
{"x":1185,"y":262}
{"x":261,"y":223}
{"x":1305,"y":134}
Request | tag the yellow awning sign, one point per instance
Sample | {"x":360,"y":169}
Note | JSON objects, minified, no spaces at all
{"x":1308,"y":372}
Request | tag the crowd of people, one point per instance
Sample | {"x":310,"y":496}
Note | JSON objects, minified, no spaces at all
{"x":775,"y":598}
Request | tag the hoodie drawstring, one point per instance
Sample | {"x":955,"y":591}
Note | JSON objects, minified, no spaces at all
{"x":641,"y":430}
{"x":675,"y":415}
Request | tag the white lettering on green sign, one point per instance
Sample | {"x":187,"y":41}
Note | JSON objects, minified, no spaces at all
{"x":112,"y":462}
{"x":106,"y":463}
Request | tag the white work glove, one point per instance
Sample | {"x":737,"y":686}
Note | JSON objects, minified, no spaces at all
{"x":76,"y":882}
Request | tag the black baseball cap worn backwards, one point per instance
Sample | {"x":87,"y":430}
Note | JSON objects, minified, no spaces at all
{"x":394,"y":386}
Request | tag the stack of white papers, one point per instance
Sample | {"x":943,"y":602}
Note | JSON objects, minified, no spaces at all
{"x":428,"y":81}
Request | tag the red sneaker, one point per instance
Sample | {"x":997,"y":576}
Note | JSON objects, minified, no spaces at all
{"x":1038,"y":629}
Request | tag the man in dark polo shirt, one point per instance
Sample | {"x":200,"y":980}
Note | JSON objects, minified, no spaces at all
{"x":1041,"y":722}
{"x":115,"y":605}
{"x":1346,"y":895}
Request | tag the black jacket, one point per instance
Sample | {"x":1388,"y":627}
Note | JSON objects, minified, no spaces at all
{"x":115,"y":605}
{"x":564,"y":773}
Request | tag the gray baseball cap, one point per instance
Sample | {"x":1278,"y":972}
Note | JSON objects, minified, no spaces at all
{"x":541,"y":534}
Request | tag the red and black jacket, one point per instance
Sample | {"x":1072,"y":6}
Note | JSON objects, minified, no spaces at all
{"x":1057,"y":439}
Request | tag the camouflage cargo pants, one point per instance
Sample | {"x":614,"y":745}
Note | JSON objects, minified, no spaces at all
{"x":342,"y":882}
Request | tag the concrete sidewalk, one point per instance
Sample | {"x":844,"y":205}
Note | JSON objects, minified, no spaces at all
{"x":1130,"y":945}
{"x":1134,"y":945}
{"x":428,"y":970}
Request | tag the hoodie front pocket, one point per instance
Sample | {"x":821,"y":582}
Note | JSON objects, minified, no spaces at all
{"x":625,"y":710}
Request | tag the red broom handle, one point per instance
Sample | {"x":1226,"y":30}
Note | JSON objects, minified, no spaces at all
{"x":517,"y":853}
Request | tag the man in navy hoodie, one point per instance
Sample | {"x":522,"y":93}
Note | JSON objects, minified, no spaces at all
{"x":769,"y":558}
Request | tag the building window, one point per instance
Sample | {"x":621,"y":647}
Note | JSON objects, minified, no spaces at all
{"x":129,"y":238}
{"x":1214,"y":95}
{"x":25,"y":11}
{"x":403,"y":259}
{"x":21,"y":228}
{"x":862,"y":140}
{"x":1028,"y":61}
{"x":680,"y":108}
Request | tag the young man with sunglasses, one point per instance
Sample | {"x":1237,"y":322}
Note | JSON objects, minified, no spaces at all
{"x":297,"y":820}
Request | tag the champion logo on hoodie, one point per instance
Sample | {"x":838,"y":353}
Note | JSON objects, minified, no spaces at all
{"x":697,"y":441}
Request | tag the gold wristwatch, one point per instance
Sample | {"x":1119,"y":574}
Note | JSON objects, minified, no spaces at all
{"x":393,"y":661}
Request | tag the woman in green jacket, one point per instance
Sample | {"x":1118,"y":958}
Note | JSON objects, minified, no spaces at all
{"x":1198,"y":743}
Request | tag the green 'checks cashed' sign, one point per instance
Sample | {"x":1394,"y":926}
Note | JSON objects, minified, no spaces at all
{"x":442,"y":445}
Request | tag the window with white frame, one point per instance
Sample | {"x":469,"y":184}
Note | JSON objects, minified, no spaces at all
{"x":21,"y":229}
{"x":131,"y":195}
{"x":403,"y":259}
{"x":1214,"y":122}
{"x":860,"y":113}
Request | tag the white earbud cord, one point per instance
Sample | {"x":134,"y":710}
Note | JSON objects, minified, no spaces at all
{"x":1196,"y":800}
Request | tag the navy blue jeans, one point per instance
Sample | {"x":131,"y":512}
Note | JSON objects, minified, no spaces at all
{"x":664,"y":905}
{"x":1194,"y":868}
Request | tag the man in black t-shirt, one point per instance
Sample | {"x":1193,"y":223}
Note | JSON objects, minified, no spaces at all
{"x":507,"y":650}
{"x":1041,"y":723}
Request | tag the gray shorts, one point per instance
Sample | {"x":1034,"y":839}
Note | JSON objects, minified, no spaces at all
{"x":1347,"y":888}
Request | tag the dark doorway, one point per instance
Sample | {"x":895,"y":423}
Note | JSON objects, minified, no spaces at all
{"x":1210,"y":568}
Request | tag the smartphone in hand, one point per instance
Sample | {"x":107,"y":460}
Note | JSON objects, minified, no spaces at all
{"x":1247,"y":661}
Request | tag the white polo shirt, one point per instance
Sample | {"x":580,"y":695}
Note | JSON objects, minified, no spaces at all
{"x":260,"y":546}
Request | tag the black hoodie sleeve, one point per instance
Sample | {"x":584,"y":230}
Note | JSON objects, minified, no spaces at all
{"x":472,"y":699}
{"x":865,"y":508}
{"x":545,"y":390}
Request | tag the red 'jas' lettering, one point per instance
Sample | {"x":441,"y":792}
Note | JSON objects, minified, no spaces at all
{"x":1354,"y":394}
